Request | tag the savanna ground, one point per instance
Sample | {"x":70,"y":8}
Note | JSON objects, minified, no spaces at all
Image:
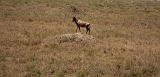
{"x":127,"y":34}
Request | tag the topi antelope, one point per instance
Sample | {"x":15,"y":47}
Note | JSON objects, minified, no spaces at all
{"x":82,"y":24}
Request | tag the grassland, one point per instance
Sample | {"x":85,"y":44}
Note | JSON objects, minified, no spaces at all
{"x":127,"y":34}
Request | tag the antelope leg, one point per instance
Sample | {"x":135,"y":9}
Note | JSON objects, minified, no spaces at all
{"x":79,"y":29}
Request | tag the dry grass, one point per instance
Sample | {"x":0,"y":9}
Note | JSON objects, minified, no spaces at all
{"x":127,"y":35}
{"x":70,"y":38}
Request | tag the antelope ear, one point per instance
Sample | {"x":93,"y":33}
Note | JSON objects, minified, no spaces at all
{"x":73,"y":16}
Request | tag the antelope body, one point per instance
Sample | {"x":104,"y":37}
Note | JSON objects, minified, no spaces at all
{"x":83,"y":24}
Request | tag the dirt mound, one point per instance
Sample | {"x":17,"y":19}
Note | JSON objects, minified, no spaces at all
{"x":70,"y":38}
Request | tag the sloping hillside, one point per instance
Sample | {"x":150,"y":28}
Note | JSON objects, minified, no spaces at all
{"x":124,"y":40}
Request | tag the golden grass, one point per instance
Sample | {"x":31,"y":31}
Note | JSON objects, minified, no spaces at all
{"x":127,"y":37}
